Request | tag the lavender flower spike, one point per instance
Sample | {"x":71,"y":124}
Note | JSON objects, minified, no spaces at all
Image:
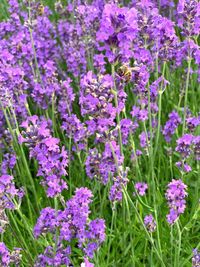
{"x":141,"y":188}
{"x":196,"y":258}
{"x":175,"y":195}
{"x":150,"y":223}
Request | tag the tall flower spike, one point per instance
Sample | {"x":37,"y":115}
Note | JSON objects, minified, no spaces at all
{"x":73,"y":227}
{"x":141,"y":188}
{"x":171,"y":125}
{"x":8,"y":193}
{"x":196,"y":258}
{"x":52,"y":159}
{"x":196,"y":142}
{"x":184,"y":145}
{"x":175,"y":195}
{"x":8,"y":258}
{"x":96,"y":99}
{"x":150,"y":223}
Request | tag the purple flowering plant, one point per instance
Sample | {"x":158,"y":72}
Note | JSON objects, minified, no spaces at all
{"x":99,"y":111}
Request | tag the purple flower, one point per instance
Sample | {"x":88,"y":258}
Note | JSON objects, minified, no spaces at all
{"x":115,"y":193}
{"x":52,"y":159}
{"x":196,"y":258}
{"x":66,"y":98}
{"x":196,"y":142}
{"x":4,"y":255}
{"x":8,"y":192}
{"x":96,"y":102}
{"x":171,"y":125}
{"x":108,"y":164}
{"x":150,"y":223}
{"x":86,"y":263}
{"x":140,"y":79}
{"x":76,"y":130}
{"x":184,"y":145}
{"x":73,"y":227}
{"x":8,"y":162}
{"x":92,"y":163}
{"x":192,"y":123}
{"x":188,"y":16}
{"x":135,"y":154}
{"x":127,"y":127}
{"x":175,"y":195}
{"x":141,"y":188}
{"x":183,"y":166}
{"x":47,"y":222}
{"x":8,"y":258}
{"x":77,"y":37}
{"x":103,"y":166}
{"x":118,"y":27}
{"x":54,"y":258}
{"x":119,"y":182}
{"x":144,"y":140}
{"x":35,"y":129}
{"x":140,"y":114}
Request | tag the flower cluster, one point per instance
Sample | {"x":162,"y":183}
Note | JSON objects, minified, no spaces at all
{"x":8,"y":162}
{"x":77,"y":35}
{"x":86,"y":263}
{"x":76,"y":130}
{"x":98,"y":71}
{"x":188,"y":17}
{"x":45,"y":149}
{"x":8,"y":195}
{"x":8,"y":258}
{"x":196,"y":258}
{"x":150,"y":223}
{"x":68,"y":226}
{"x":96,"y":102}
{"x":105,"y":165}
{"x":188,"y":145}
{"x":192,"y":123}
{"x":196,"y":142}
{"x":184,"y":145}
{"x":141,"y":188}
{"x":171,"y":125}
{"x":119,"y":183}
{"x":175,"y":195}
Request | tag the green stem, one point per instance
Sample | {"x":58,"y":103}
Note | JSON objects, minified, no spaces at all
{"x":172,"y":244}
{"x":142,"y":223}
{"x":20,"y":150}
{"x":20,"y":240}
{"x":57,"y":230}
{"x":111,"y":231}
{"x":159,"y":111}
{"x":116,"y":105}
{"x":178,"y":248}
{"x":151,"y":170}
{"x":33,"y":44}
{"x":186,"y":94}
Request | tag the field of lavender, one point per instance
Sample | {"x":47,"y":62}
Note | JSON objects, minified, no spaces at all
{"x":100,"y":133}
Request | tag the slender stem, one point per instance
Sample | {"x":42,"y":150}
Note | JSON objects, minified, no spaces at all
{"x":116,"y":105}
{"x":32,"y":42}
{"x":151,"y":170}
{"x":111,"y":230}
{"x":142,"y":223}
{"x":186,"y":94}
{"x":159,"y":111}
{"x":21,"y":240}
{"x":134,"y":151}
{"x":57,"y":231}
{"x":178,"y":248}
{"x":20,"y":150}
